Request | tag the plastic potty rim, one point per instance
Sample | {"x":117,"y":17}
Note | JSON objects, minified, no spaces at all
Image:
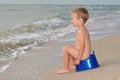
{"x":87,"y":64}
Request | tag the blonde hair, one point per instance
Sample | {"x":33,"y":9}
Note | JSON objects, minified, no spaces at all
{"x":81,"y":13}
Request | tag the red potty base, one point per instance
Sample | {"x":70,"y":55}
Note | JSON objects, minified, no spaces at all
{"x":89,"y":63}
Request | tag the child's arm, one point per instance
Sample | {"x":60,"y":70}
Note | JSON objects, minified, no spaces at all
{"x":81,"y":35}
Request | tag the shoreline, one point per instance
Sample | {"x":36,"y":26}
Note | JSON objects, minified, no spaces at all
{"x":42,"y":63}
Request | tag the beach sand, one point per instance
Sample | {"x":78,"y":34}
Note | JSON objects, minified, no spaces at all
{"x":42,"y":63}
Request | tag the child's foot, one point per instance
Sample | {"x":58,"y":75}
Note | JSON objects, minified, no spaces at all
{"x":63,"y":71}
{"x":72,"y":67}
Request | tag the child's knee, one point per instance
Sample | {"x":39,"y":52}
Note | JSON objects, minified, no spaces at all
{"x":66,"y":47}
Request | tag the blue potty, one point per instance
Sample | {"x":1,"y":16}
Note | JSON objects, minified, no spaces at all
{"x":89,"y":63}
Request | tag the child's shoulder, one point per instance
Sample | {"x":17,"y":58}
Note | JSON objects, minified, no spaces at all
{"x":80,"y":32}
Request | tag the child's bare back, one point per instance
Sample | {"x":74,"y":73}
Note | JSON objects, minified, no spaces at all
{"x":83,"y":35}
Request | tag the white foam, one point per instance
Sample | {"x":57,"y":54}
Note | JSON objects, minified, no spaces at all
{"x":5,"y":67}
{"x":21,"y":50}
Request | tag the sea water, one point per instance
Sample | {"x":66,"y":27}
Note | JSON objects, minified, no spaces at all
{"x":23,"y":27}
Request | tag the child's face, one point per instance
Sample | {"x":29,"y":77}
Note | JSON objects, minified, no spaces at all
{"x":74,"y":19}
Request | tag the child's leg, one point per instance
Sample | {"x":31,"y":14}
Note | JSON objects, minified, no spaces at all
{"x":71,"y":63}
{"x":69,"y":50}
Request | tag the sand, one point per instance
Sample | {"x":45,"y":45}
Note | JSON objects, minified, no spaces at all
{"x":42,"y":63}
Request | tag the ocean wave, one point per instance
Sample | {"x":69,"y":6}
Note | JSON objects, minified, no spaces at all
{"x":26,"y":36}
{"x":104,"y":24}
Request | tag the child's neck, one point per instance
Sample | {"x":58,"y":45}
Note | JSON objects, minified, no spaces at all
{"x":80,"y":26}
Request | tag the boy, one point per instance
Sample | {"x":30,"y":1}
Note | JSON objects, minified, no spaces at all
{"x":82,"y":48}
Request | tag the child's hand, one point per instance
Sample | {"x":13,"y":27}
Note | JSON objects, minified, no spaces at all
{"x":77,"y":61}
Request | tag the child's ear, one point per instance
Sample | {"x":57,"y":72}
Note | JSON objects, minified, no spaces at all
{"x":80,"y":19}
